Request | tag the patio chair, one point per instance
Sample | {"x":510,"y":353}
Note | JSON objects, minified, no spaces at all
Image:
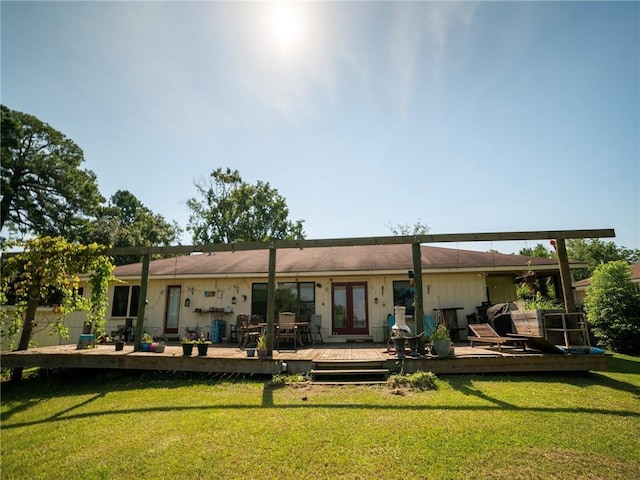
{"x":484,"y":333}
{"x":286,"y":329}
{"x":236,"y":330}
{"x":315,"y":324}
{"x":391,"y":321}
{"x":250,"y":333}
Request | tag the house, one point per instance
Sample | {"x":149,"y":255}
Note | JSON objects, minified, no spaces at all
{"x":580,"y":287}
{"x":352,"y":288}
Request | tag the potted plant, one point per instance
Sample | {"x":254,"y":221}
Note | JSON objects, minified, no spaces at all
{"x":203,"y":345}
{"x":158,"y":347}
{"x":146,"y":342}
{"x":187,"y":346}
{"x":441,"y":341}
{"x":263,"y":351}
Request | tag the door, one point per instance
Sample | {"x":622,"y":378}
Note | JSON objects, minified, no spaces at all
{"x":172,"y":315}
{"x":349,"y":306}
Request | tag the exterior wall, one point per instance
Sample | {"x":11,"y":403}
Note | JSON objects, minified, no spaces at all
{"x":441,"y":290}
{"x":502,"y":289}
{"x":42,"y":335}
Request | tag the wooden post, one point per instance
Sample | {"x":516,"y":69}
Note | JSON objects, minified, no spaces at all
{"x":565,"y":276}
{"x":271,"y":296}
{"x":142,"y":301}
{"x":417,"y":282}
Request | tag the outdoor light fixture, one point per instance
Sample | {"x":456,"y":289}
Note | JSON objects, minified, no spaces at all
{"x":375,"y":300}
{"x":187,"y":302}
{"x":233,"y":300}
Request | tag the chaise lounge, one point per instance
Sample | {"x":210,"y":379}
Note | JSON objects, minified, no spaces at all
{"x":484,"y":333}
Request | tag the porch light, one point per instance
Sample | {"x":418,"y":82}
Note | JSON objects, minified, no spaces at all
{"x":233,"y":300}
{"x":187,"y":302}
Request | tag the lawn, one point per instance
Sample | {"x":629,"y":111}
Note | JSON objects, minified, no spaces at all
{"x":177,"y":427}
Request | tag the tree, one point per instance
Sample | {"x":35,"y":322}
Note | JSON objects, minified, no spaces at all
{"x":596,"y":252}
{"x":538,"y":251}
{"x":126,"y":222}
{"x":233,"y":211}
{"x":53,"y":263}
{"x":405,"y":229}
{"x":612,"y":303}
{"x":44,"y":190}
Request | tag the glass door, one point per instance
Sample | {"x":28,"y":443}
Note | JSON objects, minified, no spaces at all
{"x":350,"y":309}
{"x":172,"y":316}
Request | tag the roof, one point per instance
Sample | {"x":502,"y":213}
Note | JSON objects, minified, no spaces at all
{"x":334,"y":259}
{"x":635,"y":277}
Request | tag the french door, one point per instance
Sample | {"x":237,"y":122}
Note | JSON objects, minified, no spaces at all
{"x":172,"y":310}
{"x":349,"y":306}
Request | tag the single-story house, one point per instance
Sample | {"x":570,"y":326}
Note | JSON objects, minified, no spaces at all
{"x":580,"y":287}
{"x":351,"y":288}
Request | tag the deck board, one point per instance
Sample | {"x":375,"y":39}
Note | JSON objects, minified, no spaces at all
{"x":229,"y":358}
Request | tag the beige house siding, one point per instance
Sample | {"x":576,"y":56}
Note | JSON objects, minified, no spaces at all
{"x":502,"y":289}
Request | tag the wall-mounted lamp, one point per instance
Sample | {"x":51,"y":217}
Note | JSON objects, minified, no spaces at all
{"x":244,"y":298}
{"x":233,"y":300}
{"x":410,"y":274}
{"x":319,"y":285}
{"x":187,"y":302}
{"x":375,"y":300}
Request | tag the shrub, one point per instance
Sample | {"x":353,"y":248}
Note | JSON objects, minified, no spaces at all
{"x":414,"y":381}
{"x":612,"y":303}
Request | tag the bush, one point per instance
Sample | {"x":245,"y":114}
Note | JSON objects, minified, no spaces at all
{"x":415,"y":381}
{"x":612,"y":303}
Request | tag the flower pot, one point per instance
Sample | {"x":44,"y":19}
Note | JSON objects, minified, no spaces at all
{"x":119,"y":346}
{"x":251,"y":352}
{"x":145,"y":346}
{"x":442,"y":347}
{"x":264,"y":353}
{"x":159,"y":347}
{"x":202,"y":349}
{"x":187,"y":349}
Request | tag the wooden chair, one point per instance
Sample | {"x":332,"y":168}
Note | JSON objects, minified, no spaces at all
{"x":236,"y":330}
{"x":250,"y":333}
{"x":484,"y":333}
{"x":286,"y":328}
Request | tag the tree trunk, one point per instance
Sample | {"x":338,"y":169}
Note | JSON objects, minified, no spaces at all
{"x":27,"y":329}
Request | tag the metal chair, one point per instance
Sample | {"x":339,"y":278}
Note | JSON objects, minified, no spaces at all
{"x":315,"y":324}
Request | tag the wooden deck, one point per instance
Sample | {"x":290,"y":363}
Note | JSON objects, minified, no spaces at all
{"x":230,"y":359}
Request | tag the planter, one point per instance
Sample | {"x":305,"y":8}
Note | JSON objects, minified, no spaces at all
{"x":202,"y":349}
{"x":146,"y":347}
{"x":264,"y":353}
{"x":414,"y":343}
{"x":159,"y":347}
{"x":187,"y":349}
{"x":119,"y":346}
{"x":442,"y":347}
{"x":251,"y":352}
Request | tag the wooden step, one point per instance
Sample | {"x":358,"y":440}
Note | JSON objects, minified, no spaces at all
{"x":346,"y":372}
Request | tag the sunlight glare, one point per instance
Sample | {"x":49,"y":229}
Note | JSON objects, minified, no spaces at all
{"x":285,"y":26}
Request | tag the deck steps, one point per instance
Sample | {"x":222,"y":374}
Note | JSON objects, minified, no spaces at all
{"x":347,"y":372}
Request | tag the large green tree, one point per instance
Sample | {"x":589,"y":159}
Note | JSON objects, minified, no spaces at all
{"x":613,"y":307}
{"x":595,"y":252}
{"x":126,"y":222}
{"x":231,"y":211}
{"x":44,"y":190}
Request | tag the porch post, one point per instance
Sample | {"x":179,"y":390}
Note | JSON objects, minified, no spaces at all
{"x":417,"y":282}
{"x":142,"y":301}
{"x":565,"y":276}
{"x":271,"y":295}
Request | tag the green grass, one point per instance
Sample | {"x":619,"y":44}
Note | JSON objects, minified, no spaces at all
{"x":180,"y":427}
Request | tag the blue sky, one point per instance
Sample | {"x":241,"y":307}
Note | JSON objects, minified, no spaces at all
{"x":470,"y":117}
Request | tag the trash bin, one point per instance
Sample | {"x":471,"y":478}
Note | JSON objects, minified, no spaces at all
{"x":218,"y":330}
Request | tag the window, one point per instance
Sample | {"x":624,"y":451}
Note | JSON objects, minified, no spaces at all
{"x":296,"y":297}
{"x":125,"y":301}
{"x":403,"y":296}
